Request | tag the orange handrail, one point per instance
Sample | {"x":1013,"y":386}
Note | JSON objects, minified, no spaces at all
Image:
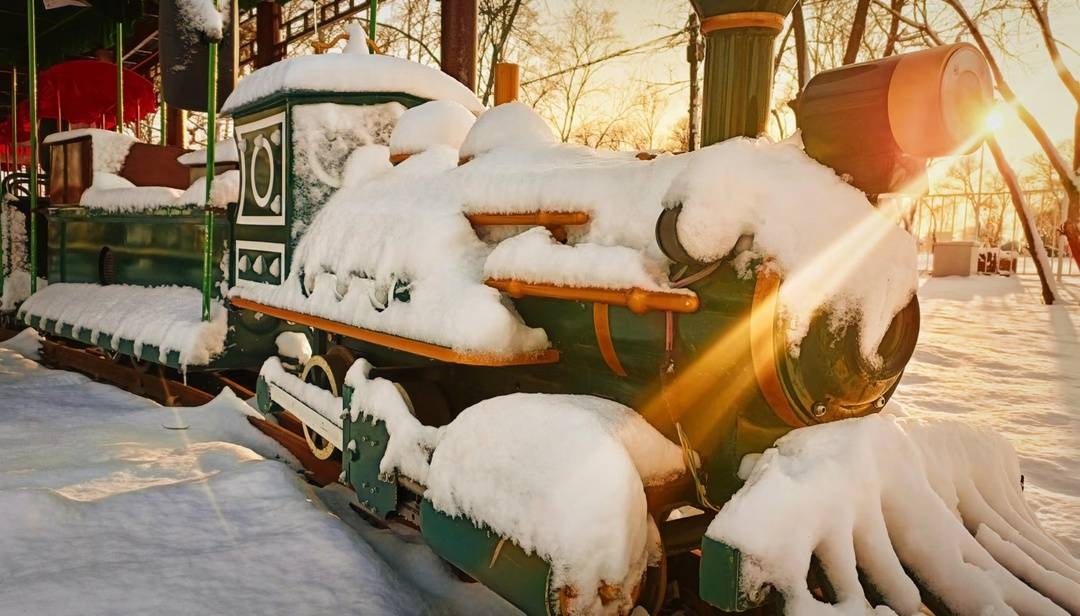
{"x":639,"y":301}
{"x":423,"y":349}
{"x":542,"y":219}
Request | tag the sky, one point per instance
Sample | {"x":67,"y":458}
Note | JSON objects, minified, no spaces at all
{"x":1030,"y":74}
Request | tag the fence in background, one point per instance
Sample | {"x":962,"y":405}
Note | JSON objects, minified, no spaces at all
{"x":990,"y":220}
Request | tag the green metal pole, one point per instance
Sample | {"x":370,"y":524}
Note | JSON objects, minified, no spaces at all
{"x":14,"y":118}
{"x":32,"y":36}
{"x":211,"y":137}
{"x":14,"y":163}
{"x":119,"y":77}
{"x":163,"y":110}
{"x":373,"y":10}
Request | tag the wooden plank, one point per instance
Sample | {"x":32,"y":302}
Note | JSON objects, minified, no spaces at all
{"x":542,"y":219}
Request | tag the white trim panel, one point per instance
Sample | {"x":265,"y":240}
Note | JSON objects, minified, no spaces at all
{"x":282,"y":172}
{"x":275,"y":247}
{"x":307,"y":415}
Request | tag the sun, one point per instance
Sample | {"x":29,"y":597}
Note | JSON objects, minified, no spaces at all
{"x":993,"y":120}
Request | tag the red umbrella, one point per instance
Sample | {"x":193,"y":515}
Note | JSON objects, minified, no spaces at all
{"x":84,"y":92}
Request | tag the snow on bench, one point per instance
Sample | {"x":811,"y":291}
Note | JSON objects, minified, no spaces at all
{"x":115,"y":194}
{"x":168,"y":318}
{"x":902,"y":498}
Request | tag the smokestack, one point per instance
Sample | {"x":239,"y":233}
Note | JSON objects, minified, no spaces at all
{"x":740,"y":37}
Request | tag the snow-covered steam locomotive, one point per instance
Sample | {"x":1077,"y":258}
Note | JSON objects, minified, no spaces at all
{"x":556,"y":362}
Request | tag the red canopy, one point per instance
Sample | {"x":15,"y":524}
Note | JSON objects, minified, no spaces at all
{"x":84,"y":92}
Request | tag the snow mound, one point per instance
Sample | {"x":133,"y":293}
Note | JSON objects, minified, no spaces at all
{"x":409,"y":447}
{"x":110,"y":148}
{"x":166,"y":317}
{"x":349,"y":72}
{"x":128,"y":199}
{"x":225,"y":190}
{"x":418,"y":272}
{"x":224,"y":152}
{"x":293,"y":345}
{"x":436,"y":123}
{"x":561,"y":476}
{"x":835,"y":251}
{"x":510,"y":124}
{"x":534,"y":256}
{"x":324,"y":136}
{"x":893,"y":495}
{"x":622,"y":195}
{"x":26,"y":343}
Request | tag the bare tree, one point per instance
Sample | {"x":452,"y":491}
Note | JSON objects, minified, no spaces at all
{"x":1065,"y":173}
{"x":1071,"y":228}
{"x":858,"y":30}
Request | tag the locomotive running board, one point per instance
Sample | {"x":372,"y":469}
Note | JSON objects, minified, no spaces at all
{"x":416,"y":347}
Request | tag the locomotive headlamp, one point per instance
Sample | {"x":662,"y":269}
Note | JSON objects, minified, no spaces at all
{"x":878,"y":122}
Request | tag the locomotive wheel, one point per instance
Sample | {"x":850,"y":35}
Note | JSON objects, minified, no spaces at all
{"x":325,"y":372}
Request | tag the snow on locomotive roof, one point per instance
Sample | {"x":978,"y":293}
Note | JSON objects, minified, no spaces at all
{"x":800,"y":213}
{"x":349,"y":72}
{"x":444,"y":123}
{"x":110,"y":148}
{"x":916,"y":491}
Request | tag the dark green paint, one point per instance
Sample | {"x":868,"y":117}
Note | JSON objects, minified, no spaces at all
{"x":520,"y":578}
{"x":163,"y":247}
{"x":738,"y":71}
{"x":369,"y":438}
{"x":720,"y":577}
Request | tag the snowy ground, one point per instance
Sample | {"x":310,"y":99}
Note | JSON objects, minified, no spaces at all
{"x":991,"y":351}
{"x":107,"y":507}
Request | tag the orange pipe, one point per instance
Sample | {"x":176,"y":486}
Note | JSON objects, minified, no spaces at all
{"x":639,"y":301}
{"x":423,"y":349}
{"x":507,"y":82}
{"x":543,"y":219}
{"x":603,"y":339}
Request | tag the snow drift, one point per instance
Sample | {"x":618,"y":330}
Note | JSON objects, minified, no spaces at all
{"x":904,"y":501}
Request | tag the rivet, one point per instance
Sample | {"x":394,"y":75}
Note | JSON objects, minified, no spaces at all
{"x":819,"y":409}
{"x":880,"y":402}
